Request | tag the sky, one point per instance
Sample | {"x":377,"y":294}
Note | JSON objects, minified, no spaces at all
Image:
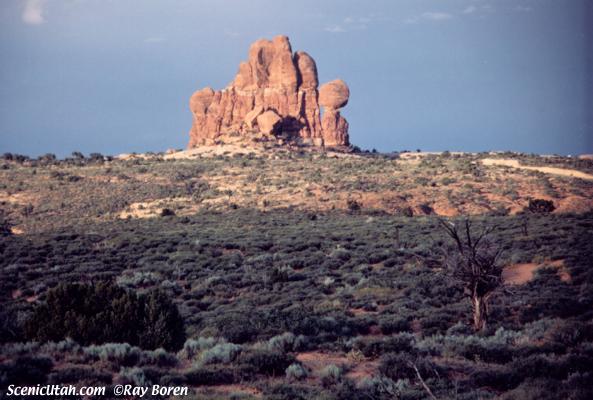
{"x":115,"y":76}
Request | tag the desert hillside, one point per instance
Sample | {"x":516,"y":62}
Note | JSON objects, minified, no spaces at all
{"x":45,"y":194}
{"x":295,"y":273}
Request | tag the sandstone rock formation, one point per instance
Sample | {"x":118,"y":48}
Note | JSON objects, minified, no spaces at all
{"x":274,"y":95}
{"x":268,"y":122}
{"x":332,"y":96}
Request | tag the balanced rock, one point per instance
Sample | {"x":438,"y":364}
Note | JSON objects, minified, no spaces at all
{"x":334,"y":94}
{"x":274,"y":92}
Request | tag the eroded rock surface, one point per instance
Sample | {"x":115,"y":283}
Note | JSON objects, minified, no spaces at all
{"x":274,"y":95}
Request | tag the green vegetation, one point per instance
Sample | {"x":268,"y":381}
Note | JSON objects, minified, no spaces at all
{"x":103,"y":313}
{"x":301,"y":301}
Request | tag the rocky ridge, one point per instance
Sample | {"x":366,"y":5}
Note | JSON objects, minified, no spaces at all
{"x":274,"y":97}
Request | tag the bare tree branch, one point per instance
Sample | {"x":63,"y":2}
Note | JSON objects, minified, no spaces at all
{"x":424,"y":385}
{"x":476,"y":265}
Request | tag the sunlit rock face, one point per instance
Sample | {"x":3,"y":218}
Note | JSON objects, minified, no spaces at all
{"x":273,"y":96}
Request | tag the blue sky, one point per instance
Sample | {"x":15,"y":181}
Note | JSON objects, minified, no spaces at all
{"x":115,"y":76}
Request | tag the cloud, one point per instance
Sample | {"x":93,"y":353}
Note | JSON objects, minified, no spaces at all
{"x":33,"y":12}
{"x":436,"y":16}
{"x":349,"y":24}
{"x":470,"y":10}
{"x":335,"y":29}
{"x":429,"y":16}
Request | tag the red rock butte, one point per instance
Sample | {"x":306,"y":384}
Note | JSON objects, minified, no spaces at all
{"x":274,"y":97}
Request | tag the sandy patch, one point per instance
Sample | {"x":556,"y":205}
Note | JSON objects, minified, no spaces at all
{"x":150,"y":209}
{"x":547,"y":170}
{"x":519,"y":274}
{"x":129,"y":156}
{"x":576,"y":204}
{"x":212,"y":151}
{"x":21,"y":198}
{"x":421,"y":154}
{"x":16,"y":230}
{"x":242,"y":149}
{"x":357,"y":312}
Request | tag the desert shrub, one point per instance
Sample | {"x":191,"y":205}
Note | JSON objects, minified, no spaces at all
{"x":331,"y":375}
{"x":192,"y":347}
{"x":496,"y":378}
{"x":498,"y":348}
{"x":236,"y":327}
{"x":267,"y":362}
{"x":383,"y":388}
{"x":353,"y":205}
{"x":401,"y":366}
{"x":278,"y":275}
{"x":437,"y":322}
{"x":402,"y":342}
{"x":459,"y":329}
{"x":77,"y":374}
{"x":167,"y":212}
{"x":580,"y":385}
{"x":10,"y":328}
{"x":392,"y":325}
{"x":116,"y":353}
{"x":5,"y":225}
{"x":291,"y":392}
{"x":209,"y":375}
{"x":25,"y":370}
{"x":64,"y":346}
{"x":537,"y":366}
{"x":96,"y":157}
{"x":138,"y":278}
{"x":161,"y":324}
{"x":73,"y":178}
{"x":550,"y":298}
{"x":448,"y":181}
{"x":48,"y":158}
{"x":570,"y":332}
{"x":487,"y":352}
{"x":426,"y":209}
{"x":296,"y":372}
{"x":221,"y":353}
{"x":173,"y":379}
{"x":540,"y":206}
{"x":102,"y":313}
{"x":134,"y":376}
{"x":158,"y":357}
{"x":340,"y":254}
{"x":405,"y":211}
{"x":285,"y":342}
{"x":538,"y":389}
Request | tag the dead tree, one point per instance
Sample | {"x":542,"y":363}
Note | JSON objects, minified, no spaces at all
{"x":475,"y":263}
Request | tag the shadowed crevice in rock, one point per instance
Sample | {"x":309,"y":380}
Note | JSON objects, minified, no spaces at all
{"x":273,"y":96}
